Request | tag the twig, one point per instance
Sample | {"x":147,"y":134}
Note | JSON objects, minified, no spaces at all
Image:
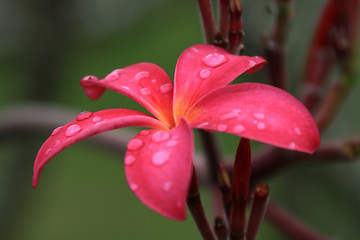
{"x":290,"y":225}
{"x":207,"y":20}
{"x":197,"y":210}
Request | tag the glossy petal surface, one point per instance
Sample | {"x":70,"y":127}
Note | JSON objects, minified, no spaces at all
{"x":86,"y":125}
{"x":146,"y":83}
{"x":158,"y":167}
{"x":259,"y":112}
{"x":204,"y":68}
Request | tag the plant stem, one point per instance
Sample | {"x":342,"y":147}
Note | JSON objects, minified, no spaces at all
{"x":224,"y":18}
{"x":257,"y":211}
{"x":220,"y":228}
{"x":236,"y":34}
{"x":240,"y":190}
{"x":207,"y":20}
{"x":291,"y":226}
{"x":197,"y":210}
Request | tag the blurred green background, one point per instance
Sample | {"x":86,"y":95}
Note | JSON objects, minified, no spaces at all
{"x":46,"y":46}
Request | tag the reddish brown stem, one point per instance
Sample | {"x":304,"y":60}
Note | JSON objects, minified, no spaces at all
{"x":197,"y":210}
{"x":220,"y":228}
{"x":240,"y":190}
{"x":236,"y":34}
{"x":224,"y":18}
{"x":225,"y":187}
{"x":290,"y":225}
{"x":257,"y":211}
{"x":207,"y":20}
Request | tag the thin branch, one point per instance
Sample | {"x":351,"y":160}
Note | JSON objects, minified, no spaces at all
{"x":290,"y":225}
{"x":208,"y":21}
{"x":236,"y":34}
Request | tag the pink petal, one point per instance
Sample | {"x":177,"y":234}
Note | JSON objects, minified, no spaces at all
{"x":259,"y":112}
{"x":86,"y":125}
{"x":158,"y":167}
{"x":146,"y":83}
{"x":204,"y":68}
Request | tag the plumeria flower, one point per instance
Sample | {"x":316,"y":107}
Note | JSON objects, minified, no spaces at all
{"x":158,"y":161}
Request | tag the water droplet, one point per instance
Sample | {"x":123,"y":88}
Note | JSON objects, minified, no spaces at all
{"x":230,"y":115}
{"x":298,"y":131}
{"x":261,"y":126}
{"x":194,"y":49}
{"x":167,"y":186}
{"x":214,"y":60}
{"x":204,"y":73}
{"x":160,"y":136}
{"x":201,"y":125}
{"x":222,"y":127}
{"x":56,"y":130}
{"x":134,"y":186}
{"x":72,"y":130}
{"x":96,"y":119}
{"x":125,"y":88}
{"x":153,"y":80}
{"x":292,"y":145}
{"x":252,"y":63}
{"x":129,"y":160}
{"x":57,"y":143}
{"x":90,"y":77}
{"x":166,"y":88}
{"x":135,"y":144}
{"x":239,"y":128}
{"x":48,"y":151}
{"x":145,"y":91}
{"x":172,"y":143}
{"x":160,"y":158}
{"x":144,"y":132}
{"x":141,"y":75}
{"x":259,"y":115}
{"x":84,"y":115}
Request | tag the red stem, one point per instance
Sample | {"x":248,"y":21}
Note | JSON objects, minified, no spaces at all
{"x":235,"y":32}
{"x":207,"y":20}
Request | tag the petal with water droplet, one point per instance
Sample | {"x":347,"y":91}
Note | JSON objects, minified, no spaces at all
{"x":135,"y":82}
{"x":281,"y":113}
{"x":204,"y":70}
{"x":161,"y":171}
{"x":78,"y":130}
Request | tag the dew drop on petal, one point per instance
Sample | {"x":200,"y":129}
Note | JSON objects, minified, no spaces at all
{"x":204,"y":73}
{"x":57,"y":143}
{"x":96,"y":119}
{"x":261,"y":126}
{"x":153,"y":80}
{"x":48,"y":151}
{"x":160,"y":158}
{"x":252,"y":63}
{"x":166,"y":88}
{"x":239,"y":128}
{"x":144,"y":132}
{"x":298,"y":131}
{"x":134,"y":186}
{"x":145,"y":91}
{"x":222,"y":127}
{"x":214,"y":60}
{"x":228,"y":116}
{"x":84,"y":115}
{"x":56,"y":130}
{"x":141,"y":75}
{"x":172,"y":143}
{"x":292,"y":145}
{"x":259,"y":115}
{"x":160,"y":136}
{"x":201,"y":125}
{"x":72,"y":130}
{"x":167,"y":186}
{"x":129,"y":160}
{"x":125,"y":88}
{"x":194,"y":49}
{"x":135,"y":144}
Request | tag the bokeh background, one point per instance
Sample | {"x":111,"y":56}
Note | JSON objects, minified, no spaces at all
{"x":46,"y":46}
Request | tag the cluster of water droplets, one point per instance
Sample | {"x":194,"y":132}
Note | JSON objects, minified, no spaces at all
{"x":212,"y":60}
{"x":158,"y":158}
{"x":73,"y":129}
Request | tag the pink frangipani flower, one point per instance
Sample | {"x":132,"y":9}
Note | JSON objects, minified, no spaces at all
{"x":158,"y":161}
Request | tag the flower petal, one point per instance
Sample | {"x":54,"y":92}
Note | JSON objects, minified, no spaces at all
{"x":259,"y":112}
{"x":145,"y":83}
{"x":86,"y":125}
{"x":158,"y":167}
{"x":204,"y":68}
